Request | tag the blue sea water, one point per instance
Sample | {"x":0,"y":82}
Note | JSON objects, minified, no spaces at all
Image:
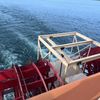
{"x":21,"y":21}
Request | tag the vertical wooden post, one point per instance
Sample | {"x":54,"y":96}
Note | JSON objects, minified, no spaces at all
{"x":77,"y":46}
{"x":39,"y":51}
{"x":60,"y":70}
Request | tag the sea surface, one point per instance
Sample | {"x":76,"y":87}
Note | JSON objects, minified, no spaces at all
{"x":21,"y":21}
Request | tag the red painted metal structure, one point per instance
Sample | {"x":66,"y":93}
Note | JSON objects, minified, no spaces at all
{"x":27,"y":81}
{"x":93,"y":66}
{"x":33,"y":79}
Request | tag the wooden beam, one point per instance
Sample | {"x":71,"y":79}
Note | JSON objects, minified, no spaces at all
{"x":62,"y":53}
{"x":87,"y":39}
{"x":53,"y":51}
{"x":83,"y":37}
{"x":68,"y":59}
{"x":39,"y":51}
{"x":72,"y":44}
{"x":96,"y":43}
{"x":59,"y":35}
{"x":86,"y":59}
{"x":58,"y":51}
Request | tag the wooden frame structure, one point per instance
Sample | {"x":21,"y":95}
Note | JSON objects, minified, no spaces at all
{"x":56,"y":50}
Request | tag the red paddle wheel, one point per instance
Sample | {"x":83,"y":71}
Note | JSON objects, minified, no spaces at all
{"x":27,"y":81}
{"x":91,"y":67}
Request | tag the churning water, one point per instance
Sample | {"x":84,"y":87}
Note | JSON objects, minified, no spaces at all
{"x":21,"y":21}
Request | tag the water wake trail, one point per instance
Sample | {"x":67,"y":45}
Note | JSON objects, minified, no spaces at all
{"x":8,"y":58}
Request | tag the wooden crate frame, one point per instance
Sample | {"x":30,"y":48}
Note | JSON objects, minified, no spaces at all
{"x":60,"y":54}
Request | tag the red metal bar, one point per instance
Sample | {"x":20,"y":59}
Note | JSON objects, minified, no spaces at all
{"x":23,"y":79}
{"x":9,"y":77}
{"x":13,"y":78}
{"x":46,"y":63}
{"x":31,"y":86}
{"x":16,"y":92}
{"x":92,"y":66}
{"x":20,"y":85}
{"x":40,"y":76}
{"x":7,"y":74}
{"x":39,"y":84}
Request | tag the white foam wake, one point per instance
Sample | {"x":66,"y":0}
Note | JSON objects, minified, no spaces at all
{"x":27,"y":41}
{"x":9,"y":58}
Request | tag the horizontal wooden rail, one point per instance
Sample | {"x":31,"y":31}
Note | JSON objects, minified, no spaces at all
{"x":59,"y":50}
{"x":72,"y":44}
{"x":87,"y":38}
{"x":86,"y":59}
{"x":59,"y":35}
{"x":53,"y":51}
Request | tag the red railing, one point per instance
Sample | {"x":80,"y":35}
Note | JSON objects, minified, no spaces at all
{"x":24,"y":80}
